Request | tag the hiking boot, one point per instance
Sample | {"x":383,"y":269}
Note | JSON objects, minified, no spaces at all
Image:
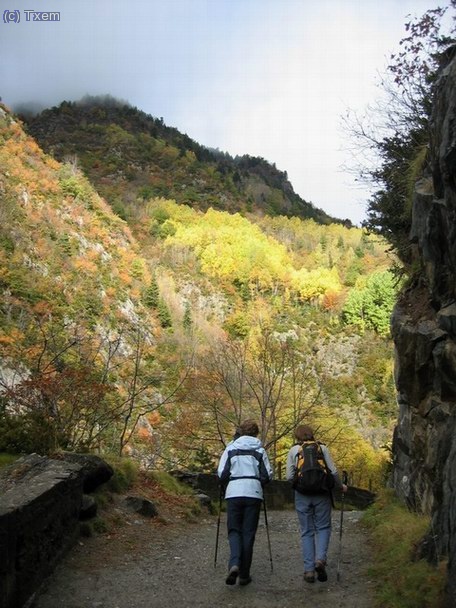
{"x":232,"y":575}
{"x":245,"y":581}
{"x":309,"y":577}
{"x":320,"y":569}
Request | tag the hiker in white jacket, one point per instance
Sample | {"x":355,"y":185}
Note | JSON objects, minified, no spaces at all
{"x":244,"y":468}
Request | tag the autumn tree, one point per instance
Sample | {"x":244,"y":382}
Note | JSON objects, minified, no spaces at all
{"x":268,"y":375}
{"x":54,"y":390}
{"x":147,"y":386}
{"x":64,"y":387}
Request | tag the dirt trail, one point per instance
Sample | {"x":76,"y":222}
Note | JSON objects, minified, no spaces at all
{"x":149,"y":565}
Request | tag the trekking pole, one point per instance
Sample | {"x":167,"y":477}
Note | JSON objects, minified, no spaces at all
{"x":344,"y":481}
{"x":218,"y":527}
{"x":267,"y":532}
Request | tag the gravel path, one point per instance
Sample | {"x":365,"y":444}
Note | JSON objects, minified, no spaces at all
{"x":152,"y":565}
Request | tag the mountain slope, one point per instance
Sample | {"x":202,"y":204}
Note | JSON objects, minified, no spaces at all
{"x":71,"y":314}
{"x":56,"y":231}
{"x":130,"y":156}
{"x":144,"y":338}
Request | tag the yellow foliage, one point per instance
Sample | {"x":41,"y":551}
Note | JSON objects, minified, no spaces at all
{"x":125,"y":277}
{"x":230,"y":247}
{"x":311,"y":284}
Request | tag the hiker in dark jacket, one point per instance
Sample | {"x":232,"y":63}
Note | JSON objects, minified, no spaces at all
{"x":245,"y":468}
{"x":313,"y":509}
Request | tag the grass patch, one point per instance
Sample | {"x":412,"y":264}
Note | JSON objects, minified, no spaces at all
{"x":103,"y":497}
{"x":126,"y":472}
{"x":402,"y":580}
{"x":171,"y":484}
{"x":175,"y":495}
{"x":6,"y":459}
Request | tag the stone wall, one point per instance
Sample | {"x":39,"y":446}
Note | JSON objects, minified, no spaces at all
{"x":39,"y":513}
{"x":278,"y":494}
{"x":41,"y":503}
{"x":424,"y":332}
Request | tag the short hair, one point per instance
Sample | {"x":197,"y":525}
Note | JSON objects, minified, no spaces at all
{"x":249,"y":427}
{"x":304,"y":432}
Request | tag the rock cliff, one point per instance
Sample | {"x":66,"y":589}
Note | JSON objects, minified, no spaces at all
{"x":424,"y":331}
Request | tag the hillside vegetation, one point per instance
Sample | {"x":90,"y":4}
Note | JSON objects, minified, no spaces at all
{"x":131,"y":156}
{"x":154,"y":335}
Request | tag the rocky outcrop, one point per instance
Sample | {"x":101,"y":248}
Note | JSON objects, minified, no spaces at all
{"x":424,"y":331}
{"x":94,"y":470}
{"x":41,"y":504}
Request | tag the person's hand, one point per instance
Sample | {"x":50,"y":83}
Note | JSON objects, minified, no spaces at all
{"x":344,"y":488}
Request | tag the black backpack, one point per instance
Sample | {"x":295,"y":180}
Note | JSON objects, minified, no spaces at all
{"x":312,"y":476}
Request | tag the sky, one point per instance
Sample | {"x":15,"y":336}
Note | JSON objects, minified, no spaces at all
{"x":269,"y":78}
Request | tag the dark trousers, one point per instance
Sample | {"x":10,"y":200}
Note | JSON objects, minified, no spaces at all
{"x":242,"y":521}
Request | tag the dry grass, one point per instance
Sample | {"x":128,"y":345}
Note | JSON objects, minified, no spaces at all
{"x":402,"y":580}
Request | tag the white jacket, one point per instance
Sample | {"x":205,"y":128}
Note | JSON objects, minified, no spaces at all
{"x":244,"y":469}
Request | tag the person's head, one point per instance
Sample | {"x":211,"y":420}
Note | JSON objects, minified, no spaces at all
{"x":304,"y":432}
{"x":249,"y":427}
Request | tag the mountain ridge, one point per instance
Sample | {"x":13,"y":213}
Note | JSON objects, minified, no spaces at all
{"x":130,"y":156}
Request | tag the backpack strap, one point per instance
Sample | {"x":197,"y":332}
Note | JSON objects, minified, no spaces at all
{"x":329,"y":474}
{"x":322,"y":456}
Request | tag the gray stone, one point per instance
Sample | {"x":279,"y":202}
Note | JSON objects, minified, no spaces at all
{"x":204,"y":501}
{"x":447,"y":319}
{"x":278,"y":494}
{"x":141,"y":505}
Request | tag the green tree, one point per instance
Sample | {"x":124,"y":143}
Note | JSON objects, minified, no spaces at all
{"x":187,"y":319}
{"x":370,"y":307}
{"x":164,"y":314}
{"x":152,"y":294}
